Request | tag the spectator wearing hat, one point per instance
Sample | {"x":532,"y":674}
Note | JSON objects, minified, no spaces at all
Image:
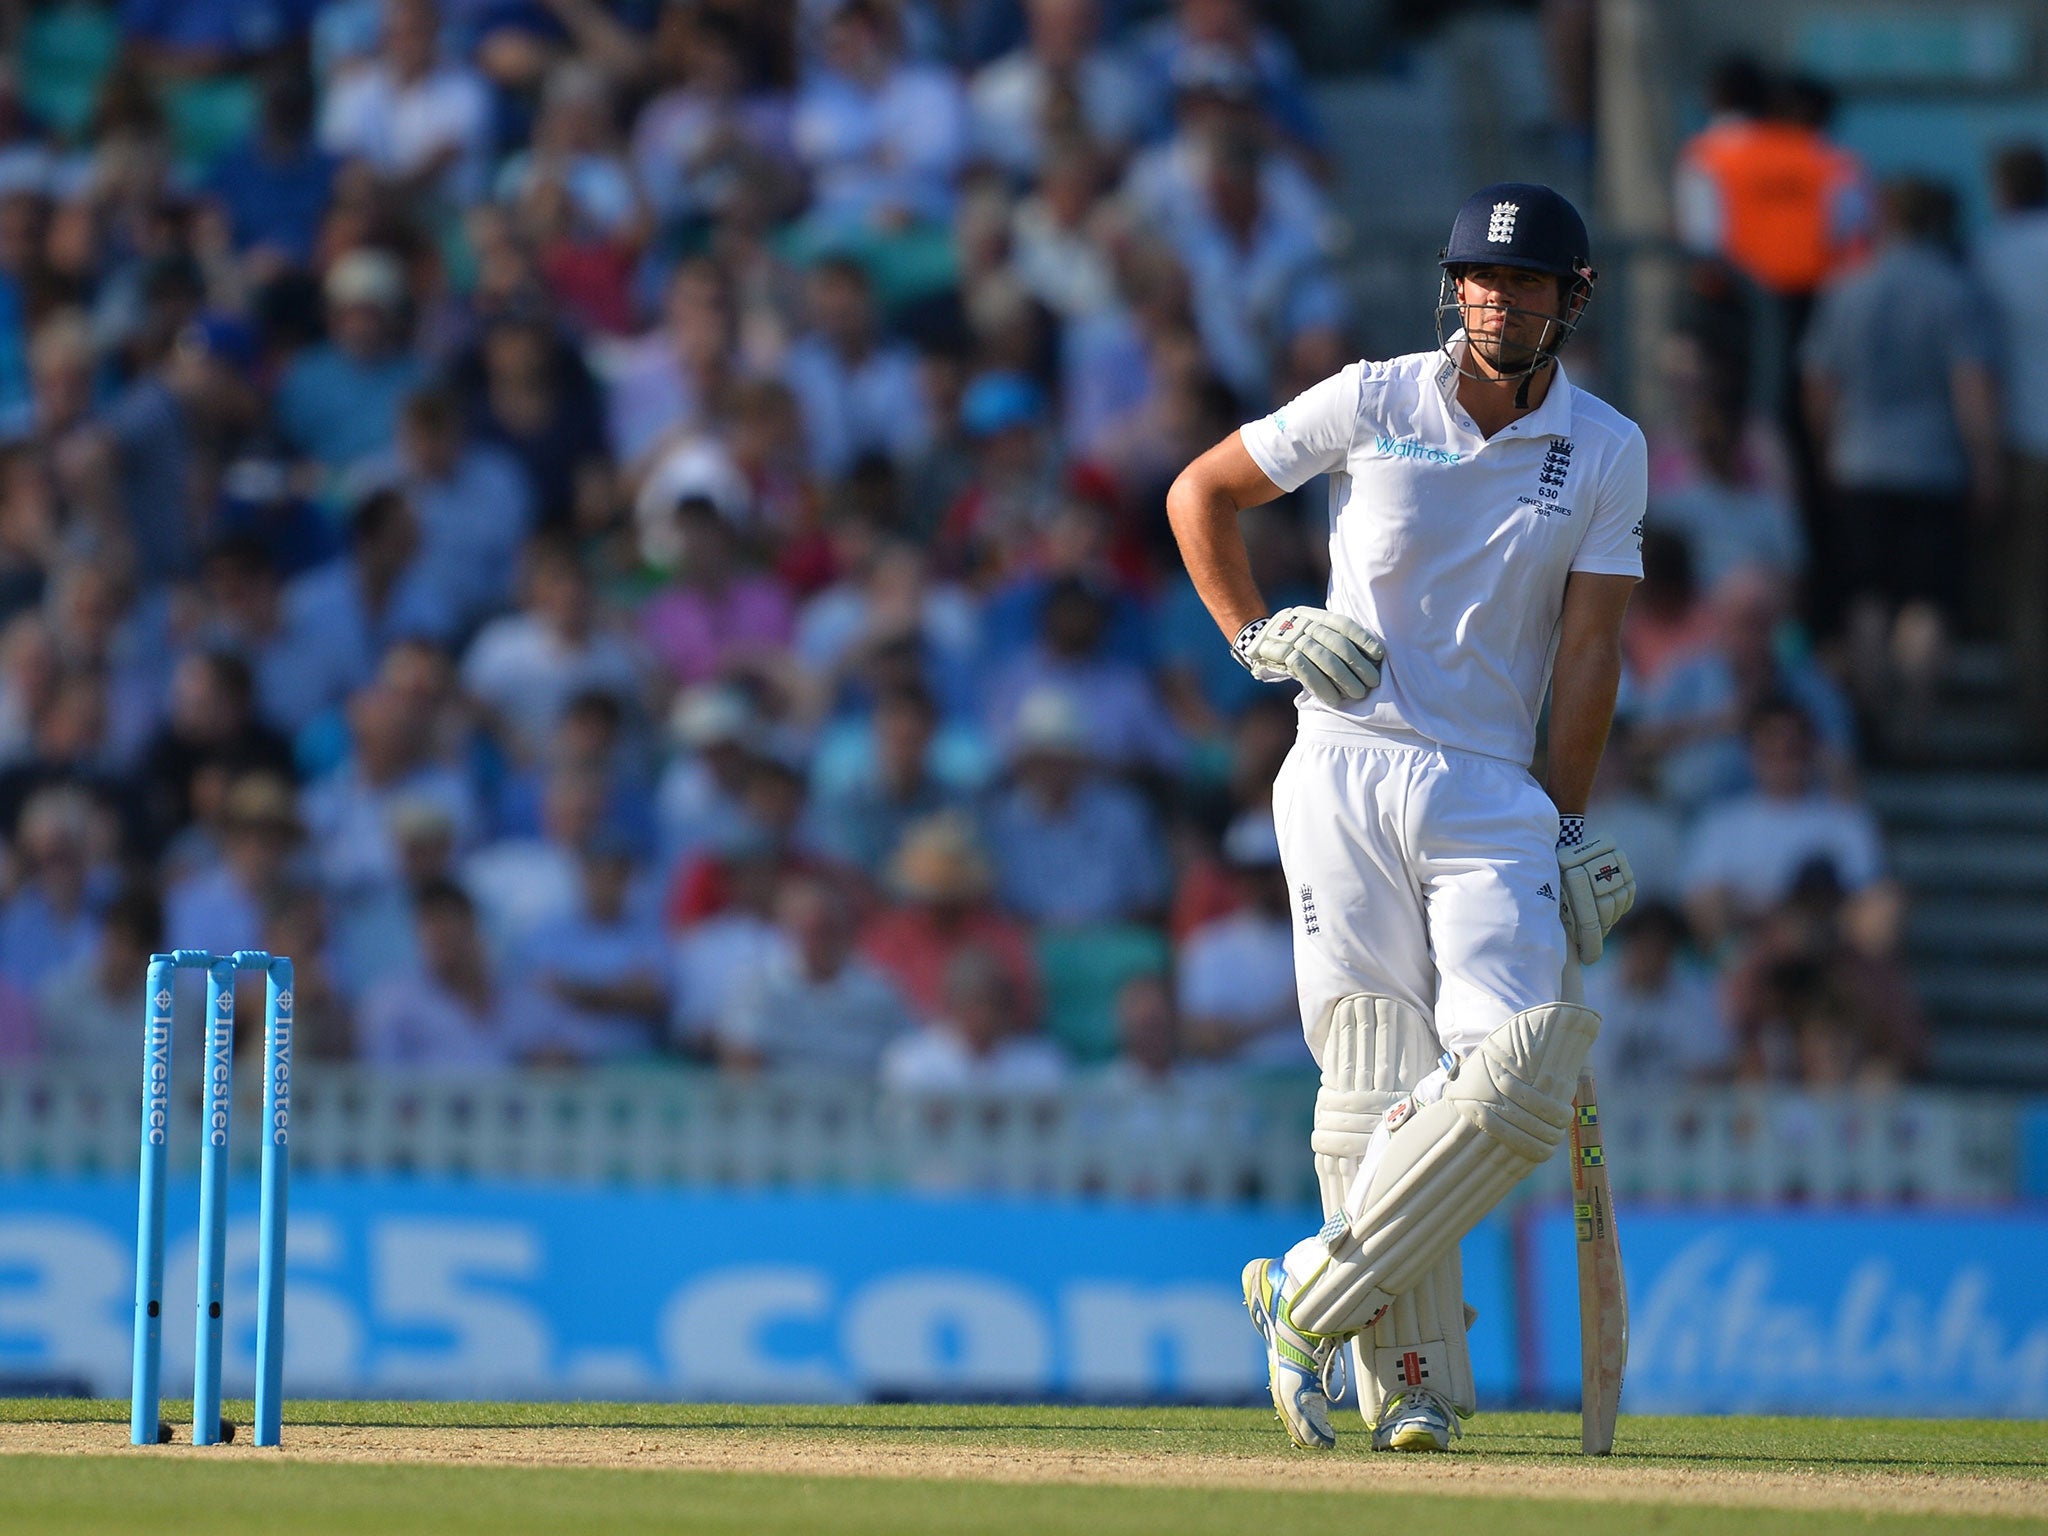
{"x":863,"y":819}
{"x":1236,"y":993}
{"x":942,"y":883}
{"x":817,"y":1006}
{"x":858,"y":392}
{"x":220,"y":906}
{"x":1744,"y":856}
{"x":339,"y":402}
{"x":604,"y":963}
{"x":699,"y":797}
{"x":1072,"y":847}
{"x":409,"y":114}
{"x":979,"y":1041}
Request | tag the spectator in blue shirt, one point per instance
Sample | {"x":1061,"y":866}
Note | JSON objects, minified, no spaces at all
{"x":274,"y":190}
{"x":339,"y":402}
{"x":1071,"y":847}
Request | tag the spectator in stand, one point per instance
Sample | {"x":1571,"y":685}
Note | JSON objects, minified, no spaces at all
{"x":1899,"y":394}
{"x":339,"y":618}
{"x":474,"y":505}
{"x":1074,"y":848}
{"x":1209,"y":35}
{"x":2011,"y":269}
{"x":1063,"y":80}
{"x":716,"y":130}
{"x":1693,"y":721}
{"x":1661,"y":1020}
{"x":719,"y":617}
{"x":719,"y":958}
{"x":605,"y":965}
{"x":817,"y":1006}
{"x":664,"y":387}
{"x":1126,"y":724}
{"x":338,"y":402}
{"x":1745,"y":855}
{"x":1730,"y":522}
{"x":1237,"y":996}
{"x":418,"y":119}
{"x":881,"y":136}
{"x":858,"y":392}
{"x":348,"y":813}
{"x":863,"y":820}
{"x":942,"y":882}
{"x":1811,"y":1003}
{"x":273,"y":191}
{"x":212,"y":718}
{"x":524,"y":668}
{"x":323,"y":1022}
{"x":220,"y":906}
{"x":521,"y":883}
{"x":453,"y":1014}
{"x":979,"y":1042}
{"x":536,"y":402}
{"x":701,"y":794}
{"x":87,"y":1005}
{"x":53,"y":916}
{"x":1630,"y":810}
{"x":1668,"y":622}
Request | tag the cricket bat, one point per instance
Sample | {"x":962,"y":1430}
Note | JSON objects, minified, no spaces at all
{"x":1603,"y":1296}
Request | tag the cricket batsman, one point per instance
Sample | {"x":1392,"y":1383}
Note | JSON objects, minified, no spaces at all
{"x":1486,"y":524}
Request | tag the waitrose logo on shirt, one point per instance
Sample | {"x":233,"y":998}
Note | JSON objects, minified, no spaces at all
{"x":1413,"y":448}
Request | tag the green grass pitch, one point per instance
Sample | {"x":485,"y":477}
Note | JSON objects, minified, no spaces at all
{"x":910,"y":1470}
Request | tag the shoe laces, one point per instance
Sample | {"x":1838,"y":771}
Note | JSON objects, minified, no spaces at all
{"x":1423,"y":1397}
{"x":1335,"y":1375}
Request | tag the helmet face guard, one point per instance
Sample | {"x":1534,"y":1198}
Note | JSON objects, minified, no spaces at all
{"x":1556,"y":329}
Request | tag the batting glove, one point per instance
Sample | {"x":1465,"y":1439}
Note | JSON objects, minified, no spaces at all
{"x":1598,"y":886}
{"x":1335,"y":658}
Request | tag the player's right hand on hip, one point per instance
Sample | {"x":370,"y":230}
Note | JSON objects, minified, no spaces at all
{"x":1335,"y":658}
{"x":1598,"y":886}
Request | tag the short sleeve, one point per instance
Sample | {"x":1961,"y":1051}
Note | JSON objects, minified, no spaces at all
{"x":1613,"y":541}
{"x":1309,"y":435}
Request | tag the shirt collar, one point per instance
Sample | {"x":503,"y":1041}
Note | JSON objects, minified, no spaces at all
{"x":1553,"y":418}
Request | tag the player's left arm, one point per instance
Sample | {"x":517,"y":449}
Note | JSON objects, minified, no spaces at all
{"x":1584,"y":683}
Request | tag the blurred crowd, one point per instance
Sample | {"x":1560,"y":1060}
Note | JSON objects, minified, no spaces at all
{"x":628,"y":531}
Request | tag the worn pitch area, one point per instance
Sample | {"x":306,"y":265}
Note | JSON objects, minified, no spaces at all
{"x":914,"y":1468}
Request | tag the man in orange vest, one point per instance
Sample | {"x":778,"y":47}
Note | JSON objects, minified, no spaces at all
{"x":1763,"y":189}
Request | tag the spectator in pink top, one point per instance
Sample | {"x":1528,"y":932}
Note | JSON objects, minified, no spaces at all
{"x":719,"y":617}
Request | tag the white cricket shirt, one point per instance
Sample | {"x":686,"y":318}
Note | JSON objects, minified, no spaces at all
{"x":1453,"y":547}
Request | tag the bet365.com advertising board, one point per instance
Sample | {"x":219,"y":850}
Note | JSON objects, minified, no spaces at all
{"x":443,"y":1289}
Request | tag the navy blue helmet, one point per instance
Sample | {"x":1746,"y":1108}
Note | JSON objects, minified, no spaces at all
{"x":1520,"y":224}
{"x":1517,"y":224}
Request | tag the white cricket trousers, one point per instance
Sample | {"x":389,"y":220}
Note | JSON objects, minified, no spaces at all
{"x":1418,"y":873}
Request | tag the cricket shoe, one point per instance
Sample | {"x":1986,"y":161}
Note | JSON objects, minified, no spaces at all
{"x":1299,"y":1366}
{"x":1416,"y":1419}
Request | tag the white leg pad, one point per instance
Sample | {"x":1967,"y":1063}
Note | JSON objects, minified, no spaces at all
{"x":1376,"y":1050}
{"x":1420,"y":1343}
{"x":1446,"y":1166}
